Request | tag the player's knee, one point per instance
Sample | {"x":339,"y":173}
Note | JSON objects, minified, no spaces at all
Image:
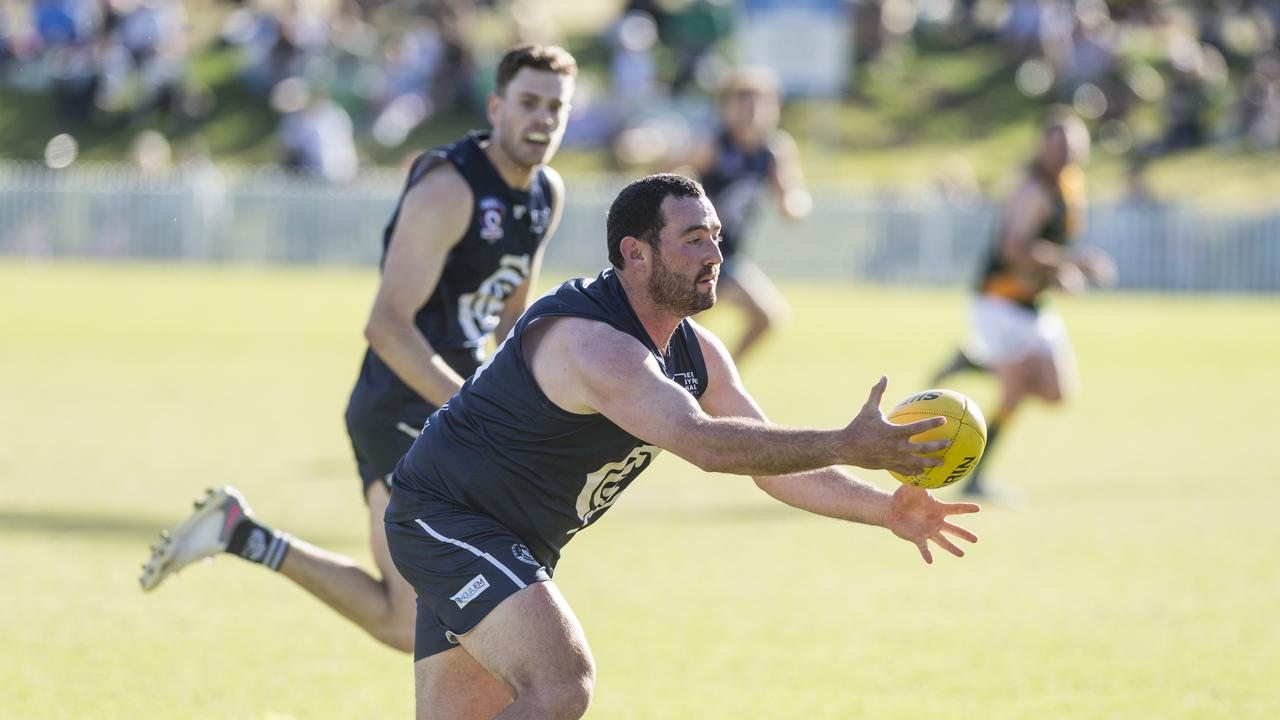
{"x":565,"y":700}
{"x":1052,"y":393}
{"x":564,"y":694}
{"x":398,"y":634}
{"x":397,"y":626}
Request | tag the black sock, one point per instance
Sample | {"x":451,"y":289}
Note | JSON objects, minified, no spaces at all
{"x":959,"y":363}
{"x":258,"y":543}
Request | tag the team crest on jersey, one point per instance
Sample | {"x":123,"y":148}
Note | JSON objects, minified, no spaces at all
{"x":492,"y":215}
{"x":602,"y":487}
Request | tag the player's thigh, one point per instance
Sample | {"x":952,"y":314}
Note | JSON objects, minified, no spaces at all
{"x":452,"y":686}
{"x":533,"y":642}
{"x":399,"y":591}
{"x":1049,"y":382}
{"x":1057,"y":375}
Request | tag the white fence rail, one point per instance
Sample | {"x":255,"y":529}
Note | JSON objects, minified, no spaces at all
{"x":265,"y":216}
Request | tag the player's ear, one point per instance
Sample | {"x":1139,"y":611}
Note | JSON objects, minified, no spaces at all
{"x":492,"y":105}
{"x":634,"y":250}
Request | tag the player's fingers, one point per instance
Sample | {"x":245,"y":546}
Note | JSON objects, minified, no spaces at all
{"x":961,"y":508}
{"x":945,"y":543}
{"x":961,"y":532}
{"x":923,"y":546}
{"x":877,"y":392}
{"x":912,"y":464}
{"x":912,"y":429}
{"x":926,"y":448}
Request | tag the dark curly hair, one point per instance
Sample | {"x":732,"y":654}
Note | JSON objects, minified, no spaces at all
{"x":637,"y":211}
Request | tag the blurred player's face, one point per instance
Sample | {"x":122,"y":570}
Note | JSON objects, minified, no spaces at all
{"x":751,"y":109}
{"x":686,"y":259}
{"x":1063,"y":144}
{"x":529,"y":117}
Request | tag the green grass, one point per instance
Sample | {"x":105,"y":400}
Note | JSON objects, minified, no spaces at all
{"x":1139,"y":583}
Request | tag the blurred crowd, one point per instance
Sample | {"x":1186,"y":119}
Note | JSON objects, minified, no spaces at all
{"x":339,"y":74}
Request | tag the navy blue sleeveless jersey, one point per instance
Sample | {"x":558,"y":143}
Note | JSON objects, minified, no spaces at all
{"x":501,"y":448}
{"x":735,"y":186}
{"x":480,"y":273}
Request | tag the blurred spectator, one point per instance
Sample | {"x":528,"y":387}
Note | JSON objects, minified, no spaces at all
{"x":1259,"y":104}
{"x":316,"y":134}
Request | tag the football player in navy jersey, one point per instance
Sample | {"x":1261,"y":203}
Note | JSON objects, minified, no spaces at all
{"x":594,"y":380}
{"x":748,"y":161}
{"x":460,"y":256}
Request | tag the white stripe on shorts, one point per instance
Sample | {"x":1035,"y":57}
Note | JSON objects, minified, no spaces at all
{"x":473,"y":550}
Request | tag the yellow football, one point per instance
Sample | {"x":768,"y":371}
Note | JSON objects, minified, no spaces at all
{"x":965,"y":428}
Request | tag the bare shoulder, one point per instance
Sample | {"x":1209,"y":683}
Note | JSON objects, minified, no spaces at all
{"x":710,"y":343}
{"x":442,"y":187}
{"x":568,"y":336}
{"x":720,"y":366}
{"x":576,"y":361}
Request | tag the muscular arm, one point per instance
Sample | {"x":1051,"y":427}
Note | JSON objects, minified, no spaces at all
{"x":433,"y":218}
{"x":910,"y":513}
{"x":519,"y":300}
{"x":828,"y":491}
{"x":621,"y":380}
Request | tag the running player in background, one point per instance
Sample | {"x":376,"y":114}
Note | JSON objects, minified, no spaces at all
{"x":594,"y":381}
{"x":1015,"y":334}
{"x":460,"y":257}
{"x":746,"y":159}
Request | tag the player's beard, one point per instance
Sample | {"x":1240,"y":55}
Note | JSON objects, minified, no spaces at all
{"x":676,"y":293}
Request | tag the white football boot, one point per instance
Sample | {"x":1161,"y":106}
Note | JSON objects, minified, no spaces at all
{"x":204,"y":534}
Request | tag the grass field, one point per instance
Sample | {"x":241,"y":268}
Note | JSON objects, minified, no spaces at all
{"x":1140,"y":582}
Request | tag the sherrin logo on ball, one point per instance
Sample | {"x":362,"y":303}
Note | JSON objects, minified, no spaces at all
{"x":965,"y":428}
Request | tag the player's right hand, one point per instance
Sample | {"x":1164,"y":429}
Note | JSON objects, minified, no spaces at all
{"x":876,"y":444}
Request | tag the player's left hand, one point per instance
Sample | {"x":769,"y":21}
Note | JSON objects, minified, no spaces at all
{"x":916,"y":516}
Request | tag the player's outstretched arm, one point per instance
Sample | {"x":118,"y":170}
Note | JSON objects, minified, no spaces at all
{"x":433,"y":218}
{"x":620,"y":379}
{"x":912,"y":514}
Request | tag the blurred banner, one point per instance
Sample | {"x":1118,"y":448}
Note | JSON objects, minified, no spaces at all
{"x":807,"y":42}
{"x":209,"y":214}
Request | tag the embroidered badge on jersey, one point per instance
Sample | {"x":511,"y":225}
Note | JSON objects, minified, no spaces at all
{"x":492,"y":214}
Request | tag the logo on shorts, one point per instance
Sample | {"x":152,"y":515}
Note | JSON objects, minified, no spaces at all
{"x":469,"y":592}
{"x":523,"y":555}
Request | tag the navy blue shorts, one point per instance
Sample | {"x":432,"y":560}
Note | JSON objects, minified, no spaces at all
{"x":379,"y":445}
{"x":462,"y":565}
